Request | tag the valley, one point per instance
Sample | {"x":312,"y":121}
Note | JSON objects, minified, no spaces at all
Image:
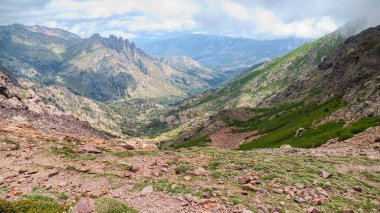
{"x":96,"y":124}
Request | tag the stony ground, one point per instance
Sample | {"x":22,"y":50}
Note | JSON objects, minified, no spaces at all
{"x":193,"y":180}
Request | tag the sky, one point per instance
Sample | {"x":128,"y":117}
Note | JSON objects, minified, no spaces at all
{"x":139,"y":19}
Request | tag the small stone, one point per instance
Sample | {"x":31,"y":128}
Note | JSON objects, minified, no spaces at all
{"x":199,"y":171}
{"x":187,"y":178}
{"x":327,"y":186}
{"x":249,"y":187}
{"x":22,"y":171}
{"x":134,"y":168}
{"x":282,"y":203}
{"x":62,"y":184}
{"x":357,"y":188}
{"x":246,"y":211}
{"x":300,"y":185}
{"x":85,"y":205}
{"x":147,"y":190}
{"x":127,"y":146}
{"x":278,"y":191}
{"x":156,"y":173}
{"x":299,"y":199}
{"x":324,"y":174}
{"x":87,"y":149}
{"x":347,"y":211}
{"x":53,"y":173}
{"x":312,"y":210}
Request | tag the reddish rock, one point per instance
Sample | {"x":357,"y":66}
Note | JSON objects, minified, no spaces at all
{"x":146,"y":191}
{"x":127,"y":146}
{"x":87,"y":149}
{"x":135,"y":168}
{"x":312,"y":210}
{"x":327,"y":186}
{"x":249,"y":187}
{"x":187,"y":178}
{"x":357,"y":188}
{"x":53,"y":173}
{"x":85,"y":205}
{"x":198,"y":171}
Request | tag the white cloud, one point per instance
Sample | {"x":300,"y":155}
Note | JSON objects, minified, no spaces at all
{"x":267,"y":22}
{"x":236,"y":10}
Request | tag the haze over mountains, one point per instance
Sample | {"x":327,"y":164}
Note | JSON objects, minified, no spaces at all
{"x":221,"y":52}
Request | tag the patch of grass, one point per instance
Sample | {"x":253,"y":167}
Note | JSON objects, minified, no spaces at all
{"x":121,"y":166}
{"x":372,"y":176}
{"x":358,"y":127}
{"x":282,"y":128}
{"x":123,"y":154}
{"x":182,"y":168}
{"x":65,"y":151}
{"x":31,"y":206}
{"x":12,"y":141}
{"x":108,"y":205}
{"x":200,"y":141}
{"x":164,"y":185}
{"x":38,"y":197}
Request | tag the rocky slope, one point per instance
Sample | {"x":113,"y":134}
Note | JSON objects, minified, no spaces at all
{"x":193,"y":68}
{"x":317,"y":72}
{"x":24,"y":109}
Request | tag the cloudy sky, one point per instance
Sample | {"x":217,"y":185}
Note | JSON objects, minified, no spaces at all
{"x":137,"y":19}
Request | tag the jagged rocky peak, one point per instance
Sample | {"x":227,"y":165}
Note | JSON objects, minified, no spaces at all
{"x":115,"y":43}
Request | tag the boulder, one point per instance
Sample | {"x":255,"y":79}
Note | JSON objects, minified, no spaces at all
{"x":147,"y":190}
{"x":85,"y":205}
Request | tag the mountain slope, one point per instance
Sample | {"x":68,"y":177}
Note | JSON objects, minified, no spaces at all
{"x":193,"y":68}
{"x":222,"y":52}
{"x":103,"y":69}
{"x":346,"y":90}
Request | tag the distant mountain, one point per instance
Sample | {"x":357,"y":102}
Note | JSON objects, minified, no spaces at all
{"x":193,"y":68}
{"x":220,"y":51}
{"x":103,"y":69}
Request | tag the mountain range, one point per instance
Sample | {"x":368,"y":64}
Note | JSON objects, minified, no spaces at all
{"x":97,"y":125}
{"x":221,"y":52}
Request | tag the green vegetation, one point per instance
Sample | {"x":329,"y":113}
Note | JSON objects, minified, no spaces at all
{"x":31,"y":206}
{"x":182,"y":168}
{"x":108,"y":205}
{"x":38,"y":197}
{"x":200,"y":141}
{"x":284,"y":125}
{"x":12,"y":141}
{"x":281,"y":123}
{"x":65,"y":151}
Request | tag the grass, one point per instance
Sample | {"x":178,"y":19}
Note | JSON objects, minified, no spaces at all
{"x":11,"y":141}
{"x":284,"y":125}
{"x":108,"y":205}
{"x":31,"y":206}
{"x":38,"y":197}
{"x":200,"y":141}
{"x":184,"y":167}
